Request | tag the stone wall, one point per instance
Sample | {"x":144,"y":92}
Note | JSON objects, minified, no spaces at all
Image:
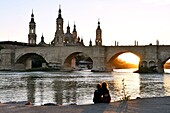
{"x":102,"y":56}
{"x":7,"y":57}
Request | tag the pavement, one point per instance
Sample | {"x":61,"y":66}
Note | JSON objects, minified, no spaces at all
{"x":144,"y":105}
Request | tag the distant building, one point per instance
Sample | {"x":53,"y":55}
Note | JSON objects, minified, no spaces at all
{"x":42,"y":43}
{"x":32,"y":31}
{"x":60,"y":38}
{"x":98,"y":35}
{"x":68,"y":38}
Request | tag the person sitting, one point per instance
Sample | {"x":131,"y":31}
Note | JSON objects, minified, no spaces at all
{"x":106,"y":98}
{"x":98,"y":94}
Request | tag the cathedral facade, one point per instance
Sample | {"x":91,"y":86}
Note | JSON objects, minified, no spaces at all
{"x":62,"y":38}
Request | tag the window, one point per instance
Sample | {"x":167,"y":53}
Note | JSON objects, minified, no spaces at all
{"x":59,"y":27}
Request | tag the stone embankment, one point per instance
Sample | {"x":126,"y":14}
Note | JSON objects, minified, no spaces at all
{"x":147,"y":105}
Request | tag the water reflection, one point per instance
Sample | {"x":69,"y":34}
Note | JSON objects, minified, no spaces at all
{"x":151,"y":84}
{"x":167,"y":84}
{"x":65,"y":91}
{"x":78,"y":87}
{"x":132,"y":82}
{"x":30,"y":89}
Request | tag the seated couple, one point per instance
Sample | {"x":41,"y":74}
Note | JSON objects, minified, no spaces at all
{"x":102,"y":95}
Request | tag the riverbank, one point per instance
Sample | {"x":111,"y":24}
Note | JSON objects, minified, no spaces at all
{"x":145,"y":105}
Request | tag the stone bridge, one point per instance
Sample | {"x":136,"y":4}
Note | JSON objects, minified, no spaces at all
{"x":151,"y":56}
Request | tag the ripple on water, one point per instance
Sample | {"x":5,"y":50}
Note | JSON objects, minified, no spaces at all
{"x":78,"y":87}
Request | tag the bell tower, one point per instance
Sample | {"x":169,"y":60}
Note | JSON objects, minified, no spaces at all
{"x":74,"y":34}
{"x":98,"y":35}
{"x":32,"y":31}
{"x":59,"y":34}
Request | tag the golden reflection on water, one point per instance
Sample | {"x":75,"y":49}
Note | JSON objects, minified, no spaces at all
{"x":78,"y":87}
{"x":132,"y":82}
{"x":167,"y":84}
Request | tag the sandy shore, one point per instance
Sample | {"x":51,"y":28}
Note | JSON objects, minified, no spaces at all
{"x":147,"y":105}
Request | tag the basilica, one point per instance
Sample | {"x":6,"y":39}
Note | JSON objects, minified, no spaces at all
{"x":61,"y":38}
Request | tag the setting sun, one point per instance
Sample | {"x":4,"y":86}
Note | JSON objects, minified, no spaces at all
{"x":129,"y":58}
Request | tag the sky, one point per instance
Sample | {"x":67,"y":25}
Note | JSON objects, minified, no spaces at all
{"x":121,"y":20}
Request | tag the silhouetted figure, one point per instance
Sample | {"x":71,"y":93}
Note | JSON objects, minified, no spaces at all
{"x":98,"y":94}
{"x":106,"y":98}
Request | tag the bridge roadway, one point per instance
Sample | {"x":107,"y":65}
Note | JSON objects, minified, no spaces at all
{"x":102,"y":56}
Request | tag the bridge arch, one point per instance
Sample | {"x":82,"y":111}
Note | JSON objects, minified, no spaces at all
{"x":164,"y":62}
{"x":17,"y":59}
{"x":113,"y":56}
{"x":70,"y":60}
{"x":29,"y":61}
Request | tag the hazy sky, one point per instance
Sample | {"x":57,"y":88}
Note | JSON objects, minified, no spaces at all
{"x":121,"y":20}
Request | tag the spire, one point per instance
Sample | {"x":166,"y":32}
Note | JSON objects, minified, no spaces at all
{"x":82,"y":43}
{"x":81,"y":40}
{"x":32,"y":17}
{"x":42,"y":38}
{"x":68,"y":28}
{"x":32,"y":31}
{"x":90,"y":43}
{"x":98,"y":35}
{"x":59,"y":12}
{"x":59,"y":6}
{"x":59,"y":34}
{"x":78,"y":39}
{"x":74,"y":30}
{"x":98,"y":24}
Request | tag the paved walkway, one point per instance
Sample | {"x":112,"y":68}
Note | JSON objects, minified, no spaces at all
{"x":149,"y":105}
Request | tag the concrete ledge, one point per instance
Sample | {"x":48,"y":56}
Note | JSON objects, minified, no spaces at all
{"x":146,"y":105}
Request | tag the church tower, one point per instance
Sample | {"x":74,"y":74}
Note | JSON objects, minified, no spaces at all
{"x":32,"y":31}
{"x":74,"y":34}
{"x":59,"y":34}
{"x":98,"y":35}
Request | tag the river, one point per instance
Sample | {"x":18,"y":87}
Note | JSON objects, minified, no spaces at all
{"x":78,"y":87}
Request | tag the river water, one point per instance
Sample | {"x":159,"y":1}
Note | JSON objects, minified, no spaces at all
{"x":78,"y":87}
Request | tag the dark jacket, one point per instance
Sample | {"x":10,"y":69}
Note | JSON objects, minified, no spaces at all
{"x":106,"y":96}
{"x":97,"y":96}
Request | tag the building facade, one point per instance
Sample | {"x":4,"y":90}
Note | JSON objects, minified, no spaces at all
{"x":32,"y":31}
{"x":62,"y":38}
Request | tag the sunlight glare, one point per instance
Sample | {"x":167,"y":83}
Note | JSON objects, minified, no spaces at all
{"x":168,"y":61}
{"x":129,"y":58}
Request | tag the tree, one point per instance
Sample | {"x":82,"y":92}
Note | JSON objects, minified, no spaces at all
{"x":119,"y":64}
